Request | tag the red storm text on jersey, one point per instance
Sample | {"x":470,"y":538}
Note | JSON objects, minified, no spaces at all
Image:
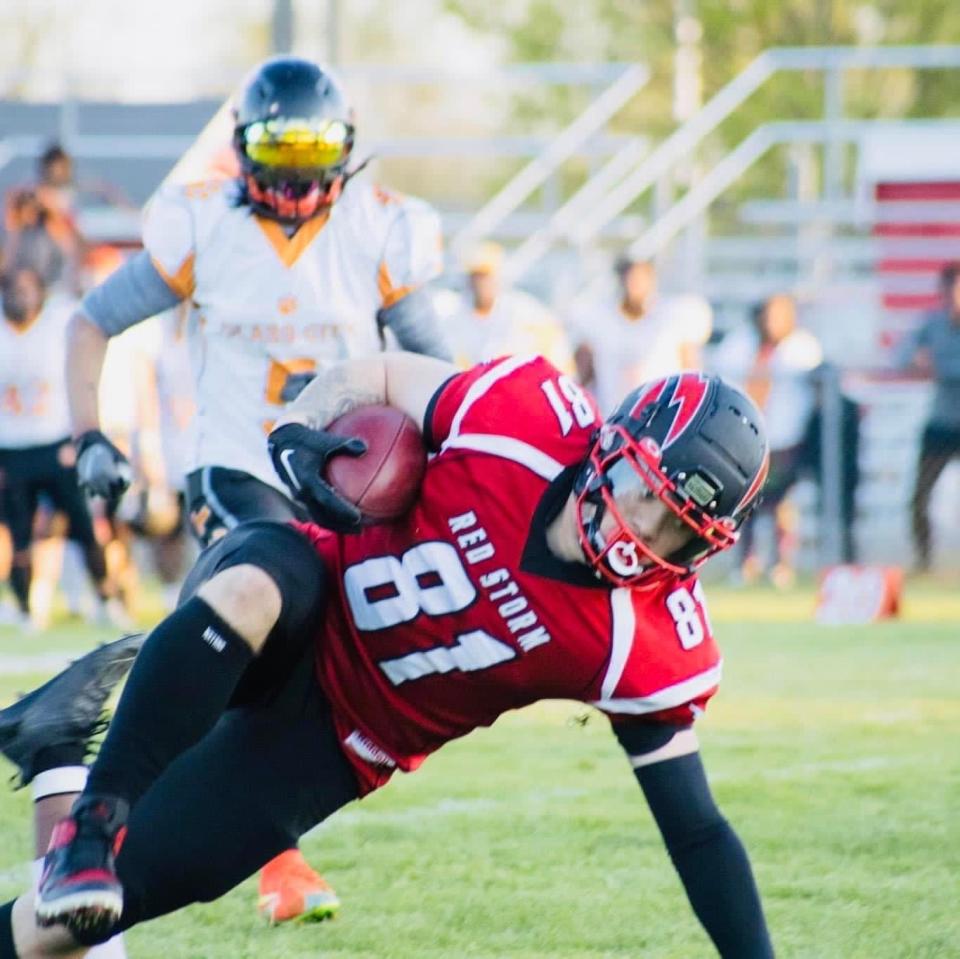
{"x":439,"y":623}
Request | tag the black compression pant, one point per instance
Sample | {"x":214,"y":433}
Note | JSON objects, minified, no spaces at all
{"x":33,"y":471}
{"x":28,"y":473}
{"x":269,"y":770}
{"x":264,"y":775}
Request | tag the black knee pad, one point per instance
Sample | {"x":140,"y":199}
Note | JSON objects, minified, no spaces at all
{"x":285,"y":555}
{"x":290,"y":560}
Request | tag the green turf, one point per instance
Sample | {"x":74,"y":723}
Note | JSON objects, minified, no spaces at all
{"x":833,"y":751}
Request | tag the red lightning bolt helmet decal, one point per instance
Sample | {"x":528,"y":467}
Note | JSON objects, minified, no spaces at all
{"x":688,"y":397}
{"x":650,"y":395}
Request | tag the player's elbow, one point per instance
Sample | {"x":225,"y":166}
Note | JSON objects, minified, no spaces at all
{"x":83,"y":333}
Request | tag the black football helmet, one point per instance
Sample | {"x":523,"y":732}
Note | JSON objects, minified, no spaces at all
{"x":695,"y":442}
{"x":293,"y":134}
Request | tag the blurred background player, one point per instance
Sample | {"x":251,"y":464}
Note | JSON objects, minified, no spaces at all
{"x":811,"y":458}
{"x":36,"y":455}
{"x":289,"y":265}
{"x":491,"y":319}
{"x":772,"y":358}
{"x":639,"y":338}
{"x":41,"y":221}
{"x":37,"y":240}
{"x":934,"y":349}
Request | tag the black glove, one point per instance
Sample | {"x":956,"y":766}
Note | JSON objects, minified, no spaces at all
{"x":300,"y":456}
{"x":102,"y":470}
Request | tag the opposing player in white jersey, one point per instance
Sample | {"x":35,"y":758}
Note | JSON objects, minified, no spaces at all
{"x":36,"y":456}
{"x":289,"y":266}
{"x":37,"y":459}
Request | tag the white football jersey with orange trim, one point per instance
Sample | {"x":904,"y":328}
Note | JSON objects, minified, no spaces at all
{"x":269,"y":308}
{"x":33,"y":394}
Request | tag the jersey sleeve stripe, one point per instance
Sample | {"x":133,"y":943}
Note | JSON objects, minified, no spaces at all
{"x":182,"y":282}
{"x":507,"y":448}
{"x":666,"y":698}
{"x":390,"y":294}
{"x":483,"y":383}
{"x":624,"y":624}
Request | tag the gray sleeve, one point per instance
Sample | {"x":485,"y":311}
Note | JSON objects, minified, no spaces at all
{"x":131,"y":294}
{"x":416,"y":325}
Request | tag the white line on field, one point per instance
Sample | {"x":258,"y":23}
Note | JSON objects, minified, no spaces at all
{"x":21,"y":665}
{"x":805,"y":770}
{"x":362,"y":816}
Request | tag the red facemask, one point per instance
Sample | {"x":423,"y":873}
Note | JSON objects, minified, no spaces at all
{"x":621,"y":556}
{"x":290,"y":205}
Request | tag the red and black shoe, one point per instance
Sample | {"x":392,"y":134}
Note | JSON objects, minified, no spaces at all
{"x":79,"y":887}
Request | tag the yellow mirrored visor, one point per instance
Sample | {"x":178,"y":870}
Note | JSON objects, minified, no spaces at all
{"x":297,"y":144}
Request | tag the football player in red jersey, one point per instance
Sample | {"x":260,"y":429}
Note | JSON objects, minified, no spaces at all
{"x":549,"y":555}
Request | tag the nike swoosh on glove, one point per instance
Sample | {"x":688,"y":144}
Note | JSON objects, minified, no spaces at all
{"x":300,"y":456}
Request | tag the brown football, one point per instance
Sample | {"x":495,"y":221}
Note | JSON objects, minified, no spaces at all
{"x":384,"y":481}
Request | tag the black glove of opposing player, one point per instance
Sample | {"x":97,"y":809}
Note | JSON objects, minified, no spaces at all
{"x":299,"y":456}
{"x":102,"y":470}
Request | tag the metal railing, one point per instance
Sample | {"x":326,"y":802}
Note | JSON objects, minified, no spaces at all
{"x":658,"y":165}
{"x":562,"y":147}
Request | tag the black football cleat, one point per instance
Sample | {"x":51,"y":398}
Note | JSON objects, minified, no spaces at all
{"x":66,"y":709}
{"x":79,"y":887}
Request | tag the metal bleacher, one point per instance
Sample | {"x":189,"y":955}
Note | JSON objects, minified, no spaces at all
{"x":858,"y":237}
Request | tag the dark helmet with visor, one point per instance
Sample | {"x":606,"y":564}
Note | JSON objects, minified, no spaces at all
{"x":696,"y":443}
{"x":293,"y":134}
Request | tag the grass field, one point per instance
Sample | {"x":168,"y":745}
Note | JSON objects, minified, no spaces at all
{"x":833,"y":751}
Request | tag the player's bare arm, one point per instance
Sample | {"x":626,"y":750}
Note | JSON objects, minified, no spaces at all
{"x":406,"y":381}
{"x":133,"y":293}
{"x":87,"y":349}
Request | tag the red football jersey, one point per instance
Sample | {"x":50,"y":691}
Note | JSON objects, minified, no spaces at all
{"x":440,"y":622}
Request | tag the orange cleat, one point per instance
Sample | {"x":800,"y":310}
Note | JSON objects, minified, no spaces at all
{"x":291,"y":890}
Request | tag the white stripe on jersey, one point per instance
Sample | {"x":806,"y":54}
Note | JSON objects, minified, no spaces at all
{"x":505,"y":368}
{"x":624,"y":622}
{"x":665,"y":698}
{"x":508,"y":448}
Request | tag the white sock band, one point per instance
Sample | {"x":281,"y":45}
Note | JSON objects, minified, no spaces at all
{"x":56,"y":782}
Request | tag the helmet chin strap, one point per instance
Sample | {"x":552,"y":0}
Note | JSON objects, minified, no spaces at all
{"x":348,"y":175}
